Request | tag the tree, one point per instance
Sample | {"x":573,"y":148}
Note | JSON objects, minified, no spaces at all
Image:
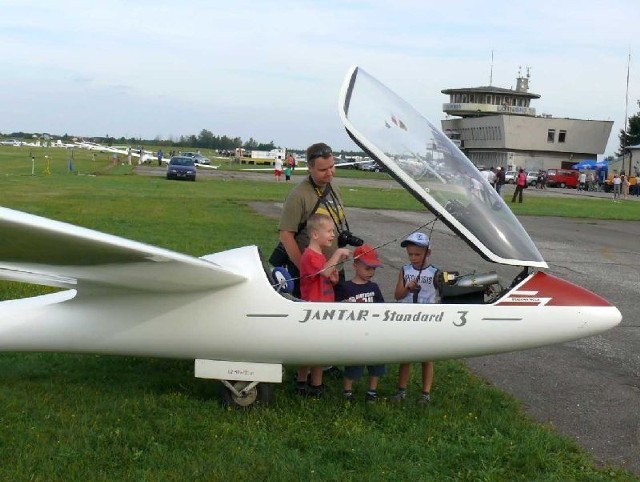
{"x":251,"y":144}
{"x":206,"y":139}
{"x":631,"y":137}
{"x":265,"y":147}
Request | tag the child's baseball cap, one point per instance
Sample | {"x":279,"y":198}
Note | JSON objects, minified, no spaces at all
{"x":367,"y":255}
{"x":417,"y":238}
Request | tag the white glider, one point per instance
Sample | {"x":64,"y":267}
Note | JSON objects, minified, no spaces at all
{"x":222,"y":310}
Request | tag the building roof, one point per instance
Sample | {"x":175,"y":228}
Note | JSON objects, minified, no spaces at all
{"x":489,"y":89}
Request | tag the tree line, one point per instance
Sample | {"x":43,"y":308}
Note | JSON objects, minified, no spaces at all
{"x":204,"y":140}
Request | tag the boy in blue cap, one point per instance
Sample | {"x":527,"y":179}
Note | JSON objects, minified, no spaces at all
{"x":417,"y":283}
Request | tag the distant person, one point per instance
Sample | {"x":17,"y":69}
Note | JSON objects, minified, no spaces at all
{"x":593,"y":181}
{"x":360,"y":289}
{"x":287,"y":173}
{"x":490,"y":176}
{"x":129,"y":155}
{"x":617,"y":184}
{"x":493,"y":178}
{"x":475,"y":187}
{"x":499,"y":179}
{"x":625,"y":186}
{"x":291,"y":162}
{"x":277,"y":166}
{"x":417,"y":283}
{"x":582,"y":181}
{"x":160,"y":156}
{"x":317,"y":277}
{"x":521,"y":184}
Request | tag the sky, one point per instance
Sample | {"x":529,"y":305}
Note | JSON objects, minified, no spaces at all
{"x":272,"y":70}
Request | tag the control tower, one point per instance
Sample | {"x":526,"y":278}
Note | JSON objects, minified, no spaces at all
{"x":495,"y":126}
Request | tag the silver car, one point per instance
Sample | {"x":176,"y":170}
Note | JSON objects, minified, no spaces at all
{"x":197,"y":157}
{"x":510,"y":177}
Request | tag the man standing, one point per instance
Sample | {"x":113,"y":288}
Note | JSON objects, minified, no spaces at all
{"x":490,"y":176}
{"x":313,"y":195}
{"x":160,"y":156}
{"x":291,"y":162}
{"x":521,"y":183}
{"x":277,"y":168}
{"x":582,"y":181}
{"x":499,"y":179}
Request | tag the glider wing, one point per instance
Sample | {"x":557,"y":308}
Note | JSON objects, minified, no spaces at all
{"x":52,"y":253}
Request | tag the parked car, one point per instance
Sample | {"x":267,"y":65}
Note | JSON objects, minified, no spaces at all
{"x":562,"y":178}
{"x":197,"y":157}
{"x":532,"y":178}
{"x":510,"y":177}
{"x":345,"y":163}
{"x":11,"y":142}
{"x":371,"y":166}
{"x":181,"y":167}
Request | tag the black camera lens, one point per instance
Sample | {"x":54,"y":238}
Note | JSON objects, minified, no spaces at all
{"x":346,"y":238}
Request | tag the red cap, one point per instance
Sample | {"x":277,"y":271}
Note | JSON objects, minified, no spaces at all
{"x":367,"y":255}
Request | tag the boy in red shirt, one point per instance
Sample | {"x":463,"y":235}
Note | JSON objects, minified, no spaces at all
{"x":317,"y":277}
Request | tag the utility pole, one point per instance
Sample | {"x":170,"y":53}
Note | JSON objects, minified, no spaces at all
{"x":626,"y":109}
{"x":491,"y":71}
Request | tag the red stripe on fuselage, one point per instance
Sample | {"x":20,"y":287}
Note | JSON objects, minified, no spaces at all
{"x":556,"y":291}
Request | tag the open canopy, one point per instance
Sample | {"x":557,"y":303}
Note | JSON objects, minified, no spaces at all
{"x":421,"y":158}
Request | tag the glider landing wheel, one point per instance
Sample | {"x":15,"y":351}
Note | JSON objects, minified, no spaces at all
{"x":244,"y":394}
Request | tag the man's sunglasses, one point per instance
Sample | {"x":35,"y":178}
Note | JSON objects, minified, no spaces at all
{"x":324,"y":152}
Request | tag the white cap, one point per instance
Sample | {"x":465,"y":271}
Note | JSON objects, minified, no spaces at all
{"x":417,"y":238}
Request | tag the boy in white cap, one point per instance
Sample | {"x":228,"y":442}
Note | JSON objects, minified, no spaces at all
{"x":360,"y":289}
{"x":417,"y":283}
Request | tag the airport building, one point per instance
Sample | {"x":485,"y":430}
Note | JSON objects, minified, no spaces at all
{"x":498,"y":127}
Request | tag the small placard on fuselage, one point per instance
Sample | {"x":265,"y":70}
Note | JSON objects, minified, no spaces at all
{"x":229,"y":370}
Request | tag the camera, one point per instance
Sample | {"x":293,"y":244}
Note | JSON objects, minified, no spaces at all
{"x":346,"y":238}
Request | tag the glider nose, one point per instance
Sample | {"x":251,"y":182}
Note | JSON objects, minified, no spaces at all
{"x":592,"y":312}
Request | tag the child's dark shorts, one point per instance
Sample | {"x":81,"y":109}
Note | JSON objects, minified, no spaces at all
{"x":355,"y":372}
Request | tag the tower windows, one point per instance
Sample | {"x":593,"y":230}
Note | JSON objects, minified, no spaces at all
{"x":551,"y":135}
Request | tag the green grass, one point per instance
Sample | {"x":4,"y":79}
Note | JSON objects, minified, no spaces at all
{"x":73,"y":417}
{"x":87,"y":417}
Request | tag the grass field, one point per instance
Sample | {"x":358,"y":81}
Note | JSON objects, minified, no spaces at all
{"x":87,"y":417}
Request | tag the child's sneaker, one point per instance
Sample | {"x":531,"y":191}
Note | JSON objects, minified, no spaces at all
{"x":300,"y":388}
{"x":425,"y":398}
{"x":347,"y":395}
{"x":400,"y":395}
{"x":371,"y":397}
{"x":315,"y":391}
